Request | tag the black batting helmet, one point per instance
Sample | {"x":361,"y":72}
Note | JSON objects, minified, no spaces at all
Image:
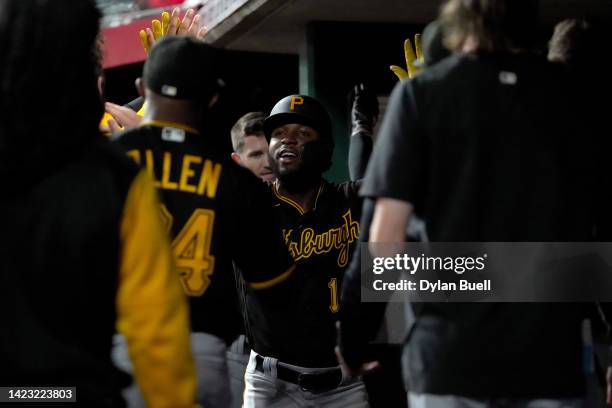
{"x":300,"y":109}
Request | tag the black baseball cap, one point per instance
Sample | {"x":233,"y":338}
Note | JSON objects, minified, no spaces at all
{"x":432,"y":44}
{"x":182,"y":67}
{"x":300,"y":109}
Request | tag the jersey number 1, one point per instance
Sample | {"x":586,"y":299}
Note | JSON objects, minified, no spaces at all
{"x":333,"y":287}
{"x":191,"y":249}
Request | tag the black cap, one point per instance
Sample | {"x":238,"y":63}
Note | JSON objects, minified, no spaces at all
{"x":181,"y":67}
{"x":300,"y":109}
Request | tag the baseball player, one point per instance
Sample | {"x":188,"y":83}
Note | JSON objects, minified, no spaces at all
{"x":293,"y":362}
{"x":251,"y":152}
{"x":250,"y":145}
{"x":430,"y":147}
{"x":209,"y":205}
{"x":82,"y":246}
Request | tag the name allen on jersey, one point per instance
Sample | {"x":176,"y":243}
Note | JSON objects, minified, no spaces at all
{"x":197,"y":175}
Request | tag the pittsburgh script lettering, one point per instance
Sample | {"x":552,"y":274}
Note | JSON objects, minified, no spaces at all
{"x":339,"y":238}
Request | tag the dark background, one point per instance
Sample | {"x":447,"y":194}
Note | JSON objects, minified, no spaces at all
{"x":338,"y":56}
{"x":254,"y":82}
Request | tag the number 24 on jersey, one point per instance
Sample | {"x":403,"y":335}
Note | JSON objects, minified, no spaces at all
{"x":191,"y":249}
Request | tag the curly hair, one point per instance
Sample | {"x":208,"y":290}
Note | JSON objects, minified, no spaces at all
{"x":50,"y":106}
{"x":574,"y":42}
{"x":495,"y":25}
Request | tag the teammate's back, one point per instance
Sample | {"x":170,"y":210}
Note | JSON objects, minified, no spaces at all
{"x":483,"y":145}
{"x":508,"y":132}
{"x":216,"y":212}
{"x":212,"y":203}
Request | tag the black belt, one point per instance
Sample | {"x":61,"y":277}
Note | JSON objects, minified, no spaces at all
{"x":313,"y":382}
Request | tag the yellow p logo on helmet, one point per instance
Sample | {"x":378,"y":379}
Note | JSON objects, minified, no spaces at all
{"x":295,"y":100}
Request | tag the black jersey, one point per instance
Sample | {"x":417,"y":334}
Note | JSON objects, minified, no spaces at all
{"x":215,"y":212}
{"x":53,"y":322}
{"x":487,"y":149}
{"x":321,"y":242}
{"x":73,"y":263}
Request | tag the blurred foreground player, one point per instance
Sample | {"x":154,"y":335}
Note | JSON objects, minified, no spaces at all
{"x":576,"y":44}
{"x":216,"y":211}
{"x":492,"y":168}
{"x":293,"y":362}
{"x":82,"y":247}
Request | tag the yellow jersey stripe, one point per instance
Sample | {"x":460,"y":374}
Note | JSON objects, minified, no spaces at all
{"x":272,"y":282}
{"x":292,"y":203}
{"x":318,"y":194}
{"x":289,"y":201}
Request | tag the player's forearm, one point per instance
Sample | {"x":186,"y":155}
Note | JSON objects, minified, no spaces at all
{"x":389,"y":223}
{"x":359,"y":321}
{"x":360,"y":149}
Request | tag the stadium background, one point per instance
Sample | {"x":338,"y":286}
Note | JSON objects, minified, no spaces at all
{"x":279,"y":47}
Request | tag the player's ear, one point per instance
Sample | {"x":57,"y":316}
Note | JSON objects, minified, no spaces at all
{"x":213,"y":101}
{"x":140,"y":87}
{"x":101,"y":85}
{"x":236,"y":158}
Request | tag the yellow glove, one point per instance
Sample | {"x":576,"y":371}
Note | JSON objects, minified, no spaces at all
{"x":104,"y":126}
{"x":171,"y":24}
{"x":158,"y":30}
{"x":411,"y":58}
{"x":118,"y":118}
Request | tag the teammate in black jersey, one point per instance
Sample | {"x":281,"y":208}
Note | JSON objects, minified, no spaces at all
{"x":293,"y":362}
{"x":215,"y":210}
{"x":82,"y":250}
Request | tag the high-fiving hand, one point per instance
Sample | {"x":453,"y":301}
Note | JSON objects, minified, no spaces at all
{"x":411,"y":57}
{"x":171,"y":24}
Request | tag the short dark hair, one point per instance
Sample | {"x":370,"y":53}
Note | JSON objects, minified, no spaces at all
{"x":249,"y":124}
{"x":574,"y":42}
{"x":497,"y":25}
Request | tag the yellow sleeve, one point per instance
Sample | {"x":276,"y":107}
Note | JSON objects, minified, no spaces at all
{"x":151,"y":306}
{"x":104,"y":128}
{"x":141,"y":111}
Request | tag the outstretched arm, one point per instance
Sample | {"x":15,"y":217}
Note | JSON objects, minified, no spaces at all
{"x":364,"y":115}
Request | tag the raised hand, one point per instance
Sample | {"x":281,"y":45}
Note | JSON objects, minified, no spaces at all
{"x":411,"y":57}
{"x":364,"y":110}
{"x":171,"y":24}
